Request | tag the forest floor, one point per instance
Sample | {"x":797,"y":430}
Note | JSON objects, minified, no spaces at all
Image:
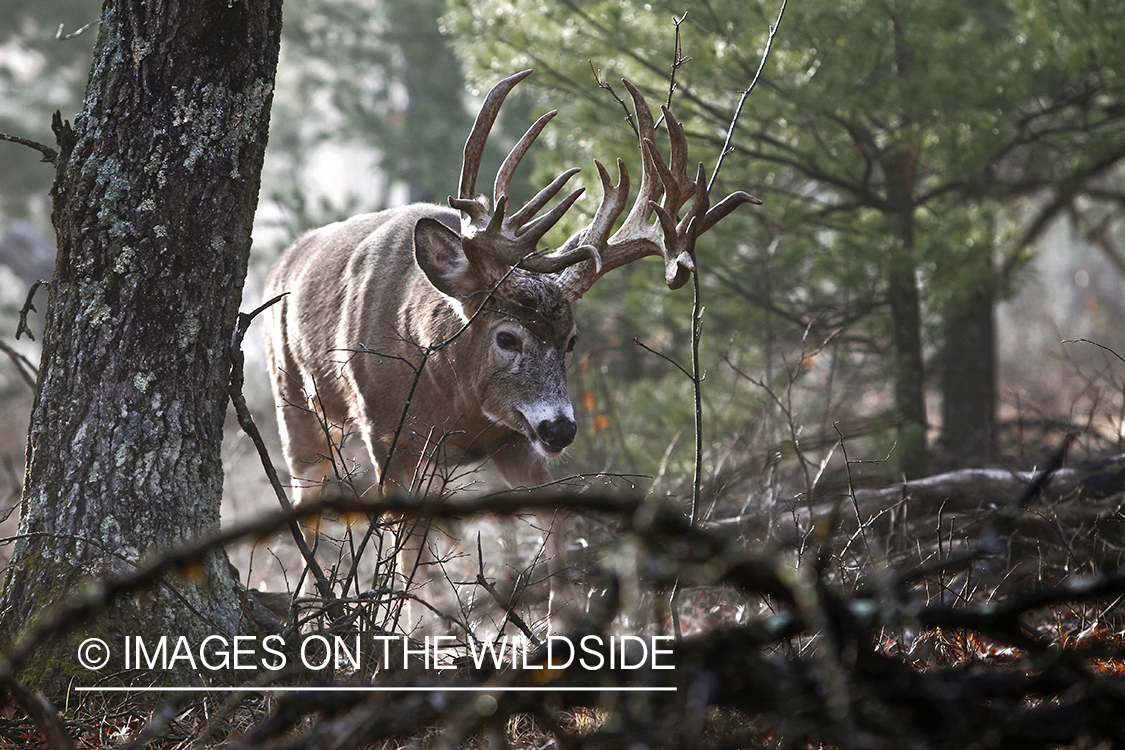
{"x":935,"y":604}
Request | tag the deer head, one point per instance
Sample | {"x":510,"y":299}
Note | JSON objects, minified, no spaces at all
{"x":495,"y":260}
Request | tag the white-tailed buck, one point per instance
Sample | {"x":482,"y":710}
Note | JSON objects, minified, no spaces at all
{"x":467,"y":284}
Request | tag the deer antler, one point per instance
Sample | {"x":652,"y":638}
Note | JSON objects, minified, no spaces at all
{"x":671,"y":237}
{"x":497,"y":241}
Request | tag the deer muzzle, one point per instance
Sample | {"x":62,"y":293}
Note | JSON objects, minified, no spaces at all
{"x":556,"y":434}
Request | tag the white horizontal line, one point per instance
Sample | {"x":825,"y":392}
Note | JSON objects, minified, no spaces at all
{"x":375,"y":689}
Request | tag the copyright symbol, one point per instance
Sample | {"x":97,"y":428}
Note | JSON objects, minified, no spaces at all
{"x":93,"y":654}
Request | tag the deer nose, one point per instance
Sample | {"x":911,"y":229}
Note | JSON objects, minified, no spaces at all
{"x":558,"y":433}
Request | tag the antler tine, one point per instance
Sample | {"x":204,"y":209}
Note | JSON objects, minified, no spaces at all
{"x":678,"y":159}
{"x":613,"y":203}
{"x":561,"y":261}
{"x":594,"y":237}
{"x":534,"y":231}
{"x":651,"y":188}
{"x":474,"y":145}
{"x":508,"y":168}
{"x":519,"y":253}
{"x":720,"y":210}
{"x":670,"y":236}
{"x":675,"y":175}
{"x":678,"y":247}
{"x":541,"y":226}
{"x":519,"y":218}
{"x":495,"y":242}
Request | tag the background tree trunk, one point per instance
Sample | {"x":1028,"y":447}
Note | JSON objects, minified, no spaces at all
{"x":968,"y":380}
{"x":911,"y":455}
{"x":153,"y":206}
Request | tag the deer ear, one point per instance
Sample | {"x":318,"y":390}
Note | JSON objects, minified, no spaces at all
{"x":437,"y":248}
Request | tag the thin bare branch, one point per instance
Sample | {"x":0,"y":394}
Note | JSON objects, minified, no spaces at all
{"x":246,"y":421}
{"x":607,"y":87}
{"x":28,"y":307}
{"x":63,"y":37}
{"x":738,"y":109}
{"x":24,"y":366}
{"x":50,"y":155}
{"x":678,"y":60}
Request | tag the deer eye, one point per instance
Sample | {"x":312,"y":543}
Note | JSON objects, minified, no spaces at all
{"x":506,"y":340}
{"x":570,"y":344}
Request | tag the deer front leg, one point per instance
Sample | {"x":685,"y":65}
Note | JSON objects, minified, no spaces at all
{"x":522,"y":466}
{"x":306,"y":445}
{"x":421,"y":576}
{"x":419,"y":542}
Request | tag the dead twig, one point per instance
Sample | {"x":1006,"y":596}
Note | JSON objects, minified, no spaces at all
{"x":742,"y":101}
{"x":29,"y":307}
{"x":605,"y":86}
{"x":62,"y":37}
{"x":24,"y":366}
{"x":50,"y":155}
{"x":509,"y":609}
{"x":246,"y":421}
{"x":45,"y":716}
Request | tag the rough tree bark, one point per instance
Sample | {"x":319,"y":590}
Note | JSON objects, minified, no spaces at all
{"x":154,"y":199}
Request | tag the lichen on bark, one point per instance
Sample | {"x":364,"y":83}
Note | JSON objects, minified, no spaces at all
{"x":153,"y":204}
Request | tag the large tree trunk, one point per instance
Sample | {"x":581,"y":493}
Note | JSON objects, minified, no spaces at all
{"x":153,"y":205}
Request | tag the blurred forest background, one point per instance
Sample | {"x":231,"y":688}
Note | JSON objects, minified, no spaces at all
{"x":943,"y":190}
